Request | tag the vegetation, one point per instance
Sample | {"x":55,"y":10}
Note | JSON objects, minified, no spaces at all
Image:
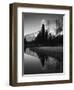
{"x":45,"y":39}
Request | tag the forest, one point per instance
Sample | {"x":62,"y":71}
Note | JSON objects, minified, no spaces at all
{"x":45,"y":39}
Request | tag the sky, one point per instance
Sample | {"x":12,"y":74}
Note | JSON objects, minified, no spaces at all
{"x":32,"y":22}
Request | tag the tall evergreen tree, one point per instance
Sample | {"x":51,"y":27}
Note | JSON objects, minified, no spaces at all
{"x":25,"y":42}
{"x":43,"y":31}
{"x":46,"y":35}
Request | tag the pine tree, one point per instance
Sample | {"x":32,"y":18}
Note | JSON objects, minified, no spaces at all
{"x":46,"y":35}
{"x":25,"y":42}
{"x":43,"y":31}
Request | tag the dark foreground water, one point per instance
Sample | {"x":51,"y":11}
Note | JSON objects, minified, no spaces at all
{"x":37,"y":63}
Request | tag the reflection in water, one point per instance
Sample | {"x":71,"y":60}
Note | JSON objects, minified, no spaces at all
{"x":43,"y":58}
{"x":43,"y":63}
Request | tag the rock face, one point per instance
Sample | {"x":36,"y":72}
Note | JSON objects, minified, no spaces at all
{"x":32,"y":36}
{"x":43,"y":38}
{"x":48,"y":29}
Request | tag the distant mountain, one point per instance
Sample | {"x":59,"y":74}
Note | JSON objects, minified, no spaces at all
{"x":32,"y":36}
{"x":59,"y":34}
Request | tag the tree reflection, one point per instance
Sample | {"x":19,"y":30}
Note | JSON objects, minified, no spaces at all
{"x":48,"y":63}
{"x":42,"y":58}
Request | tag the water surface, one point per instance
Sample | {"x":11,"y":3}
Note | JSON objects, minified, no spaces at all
{"x":37,"y":62}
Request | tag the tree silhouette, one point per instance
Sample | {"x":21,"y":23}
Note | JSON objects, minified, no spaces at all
{"x":45,"y":39}
{"x":46,"y":35}
{"x":43,"y":31}
{"x":25,"y":42}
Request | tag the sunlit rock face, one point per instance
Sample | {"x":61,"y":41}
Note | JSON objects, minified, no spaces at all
{"x":43,"y":22}
{"x":50,"y":26}
{"x":32,"y":36}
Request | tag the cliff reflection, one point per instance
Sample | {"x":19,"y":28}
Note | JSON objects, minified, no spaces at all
{"x":48,"y":64}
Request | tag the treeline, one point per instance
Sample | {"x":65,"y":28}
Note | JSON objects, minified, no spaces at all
{"x":44,"y":39}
